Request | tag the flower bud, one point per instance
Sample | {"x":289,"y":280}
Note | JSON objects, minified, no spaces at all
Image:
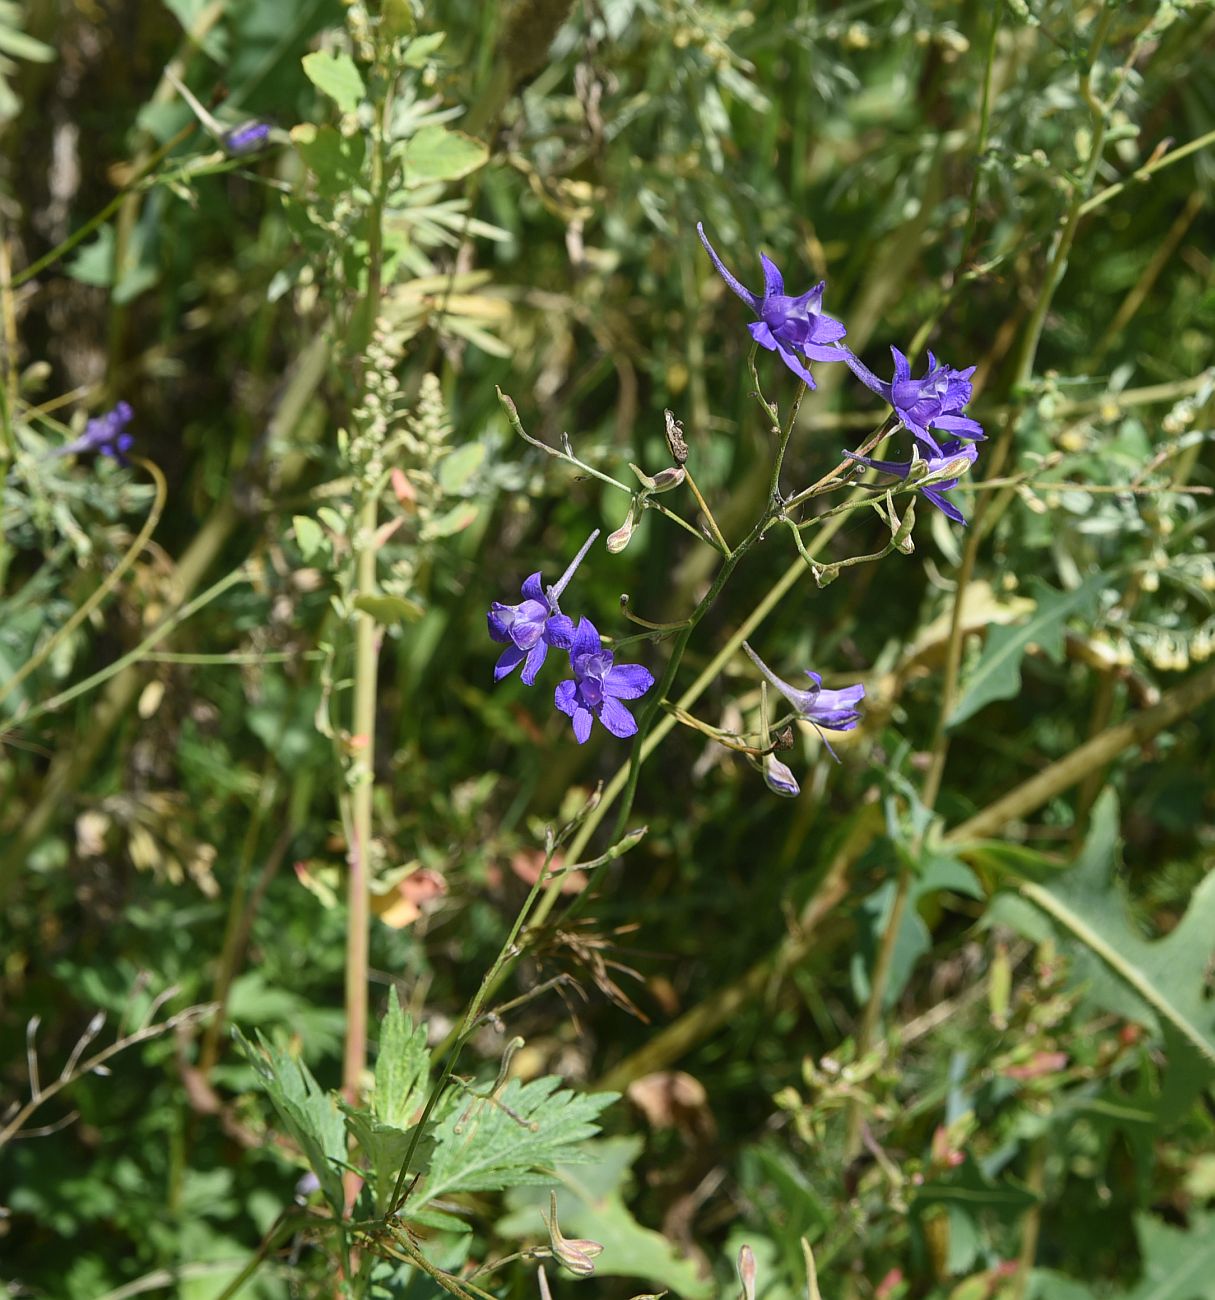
{"x":576,"y":1253}
{"x":746,"y":1272}
{"x":618,"y":540}
{"x":779,"y":779}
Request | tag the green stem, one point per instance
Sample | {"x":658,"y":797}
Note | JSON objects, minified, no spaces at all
{"x":45,"y":650}
{"x":134,"y":656}
{"x":366,"y":668}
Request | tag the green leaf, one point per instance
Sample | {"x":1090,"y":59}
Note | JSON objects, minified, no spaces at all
{"x":511,"y":1138}
{"x":436,"y":154}
{"x":21,"y":46}
{"x":309,"y":535}
{"x":421,"y":48}
{"x":590,"y":1204}
{"x":385,"y":1148}
{"x":1177,"y":1265}
{"x":1157,"y":983}
{"x":337,"y":76}
{"x":307,"y":1112}
{"x":334,"y":159}
{"x":389,"y":609}
{"x":937,"y":870}
{"x":457,"y":469}
{"x":452,"y":521}
{"x":997,"y":675}
{"x":402,"y":1068}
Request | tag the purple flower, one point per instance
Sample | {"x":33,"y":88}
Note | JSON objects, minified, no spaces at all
{"x":932,"y":402}
{"x":247,"y":138}
{"x":105,"y":434}
{"x":952,"y":460}
{"x":598,"y":685}
{"x":534,"y":624}
{"x":786,"y":325}
{"x":835,"y":710}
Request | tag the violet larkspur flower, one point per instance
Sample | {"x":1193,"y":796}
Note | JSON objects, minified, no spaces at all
{"x":534,"y":624}
{"x":598,"y":685}
{"x":786,"y":325}
{"x":247,"y":138}
{"x":834,"y":710}
{"x":933,"y":402}
{"x":952,"y":460}
{"x":105,"y":434}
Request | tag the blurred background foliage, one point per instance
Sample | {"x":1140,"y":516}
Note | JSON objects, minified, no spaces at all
{"x":177,"y":828}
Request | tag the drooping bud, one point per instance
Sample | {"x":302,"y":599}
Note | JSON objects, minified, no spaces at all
{"x":576,"y":1253}
{"x":779,"y":779}
{"x":618,"y":540}
{"x":746,"y":1272}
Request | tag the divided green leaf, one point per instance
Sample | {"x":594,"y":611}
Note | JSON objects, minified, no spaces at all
{"x":997,"y":675}
{"x":307,"y":1112}
{"x":402,"y":1068}
{"x":511,"y":1138}
{"x":1159,"y":983}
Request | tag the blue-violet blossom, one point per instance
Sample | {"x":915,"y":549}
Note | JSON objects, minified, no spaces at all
{"x":952,"y":460}
{"x":922,"y":404}
{"x":835,"y":710}
{"x":246,"y":138}
{"x":535,"y":623}
{"x":598,"y":685}
{"x":105,"y":434}
{"x":786,"y":325}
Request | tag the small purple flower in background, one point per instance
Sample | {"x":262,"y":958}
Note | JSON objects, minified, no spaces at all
{"x":535,"y":623}
{"x":598,"y":685}
{"x":105,"y":434}
{"x":247,"y":138}
{"x":953,"y":459}
{"x":786,"y":325}
{"x":835,"y":710}
{"x":922,"y":404}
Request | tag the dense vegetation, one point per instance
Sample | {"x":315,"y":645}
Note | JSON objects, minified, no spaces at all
{"x":332,"y":966}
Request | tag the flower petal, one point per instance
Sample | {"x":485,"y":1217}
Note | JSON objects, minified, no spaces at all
{"x":796,"y":366}
{"x":961,"y":424}
{"x":761,"y":332}
{"x":774,"y":282}
{"x":565,"y":697}
{"x":507,"y":662}
{"x":535,"y":660}
{"x":744,"y":293}
{"x":586,"y":639}
{"x":627,"y":681}
{"x":559,"y":631}
{"x":936,"y":494}
{"x":582,"y":724}
{"x":533,"y":588}
{"x":498,"y":626}
{"x":617,"y":719}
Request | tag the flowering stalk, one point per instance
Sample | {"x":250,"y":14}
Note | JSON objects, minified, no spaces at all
{"x":366,"y":654}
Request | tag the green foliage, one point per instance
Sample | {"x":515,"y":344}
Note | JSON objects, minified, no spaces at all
{"x":1160,"y":983}
{"x":1040,"y":1065}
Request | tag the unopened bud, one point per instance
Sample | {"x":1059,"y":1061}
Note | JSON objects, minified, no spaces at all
{"x":779,"y":779}
{"x":746,"y":1272}
{"x":576,"y":1253}
{"x":618,"y":540}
